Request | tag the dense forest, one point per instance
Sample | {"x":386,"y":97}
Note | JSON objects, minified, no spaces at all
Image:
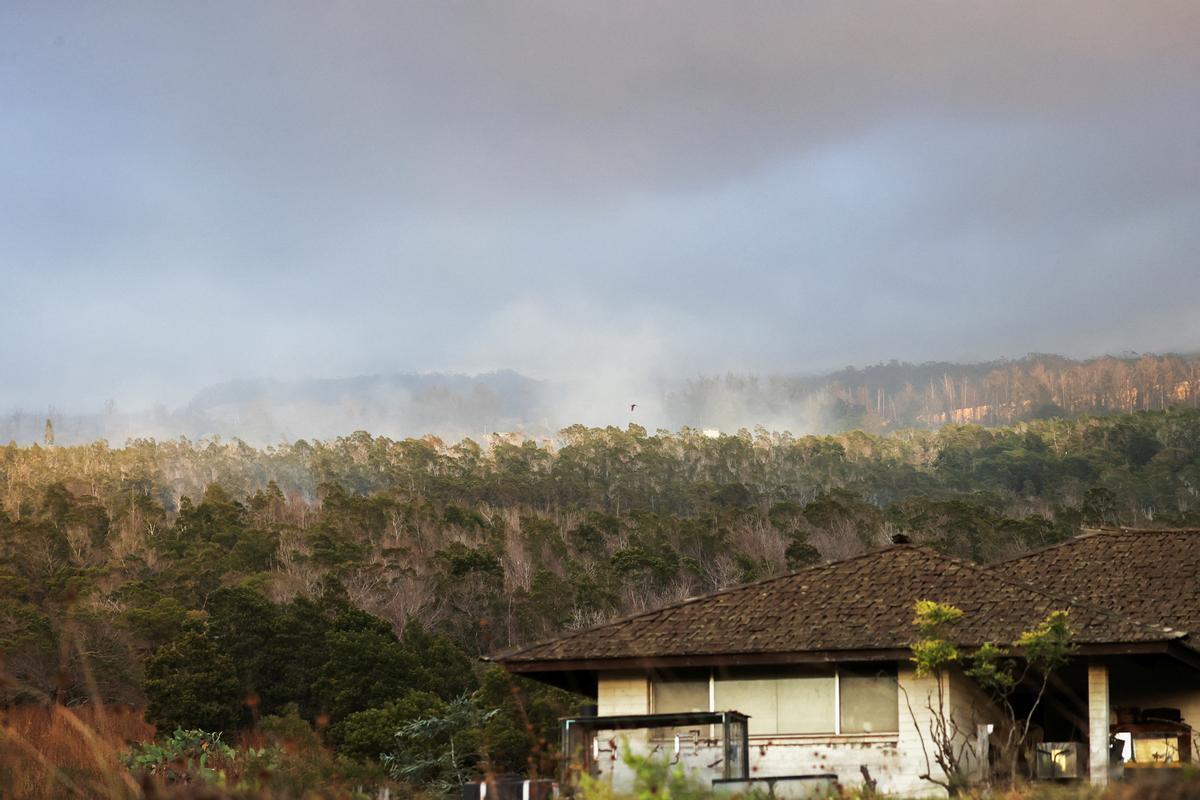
{"x":349,"y":587}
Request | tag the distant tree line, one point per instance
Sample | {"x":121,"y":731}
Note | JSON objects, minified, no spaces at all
{"x":880,"y":398}
{"x":898,"y":395}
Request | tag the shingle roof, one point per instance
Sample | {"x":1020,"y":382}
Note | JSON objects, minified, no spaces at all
{"x":1153,"y":576}
{"x":862,"y":603}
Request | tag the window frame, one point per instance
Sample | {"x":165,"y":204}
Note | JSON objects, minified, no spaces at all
{"x":860,"y":672}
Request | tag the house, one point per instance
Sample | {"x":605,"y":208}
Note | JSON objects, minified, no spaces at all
{"x":819,"y":664}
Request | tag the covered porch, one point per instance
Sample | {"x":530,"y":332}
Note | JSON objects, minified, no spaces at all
{"x":1116,"y":715}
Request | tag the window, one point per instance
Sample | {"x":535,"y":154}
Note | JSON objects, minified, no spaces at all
{"x":680,"y":694}
{"x":792,"y":700}
{"x":1156,"y":749}
{"x":780,"y":701}
{"x":753,"y":694}
{"x":806,"y":703}
{"x":869,"y":700}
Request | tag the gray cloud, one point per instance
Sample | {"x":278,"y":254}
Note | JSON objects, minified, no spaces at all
{"x":614,"y":193}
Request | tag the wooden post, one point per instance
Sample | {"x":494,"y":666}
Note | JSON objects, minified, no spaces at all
{"x":1098,"y":712}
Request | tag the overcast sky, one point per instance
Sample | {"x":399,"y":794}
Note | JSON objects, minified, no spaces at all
{"x":191,"y":192}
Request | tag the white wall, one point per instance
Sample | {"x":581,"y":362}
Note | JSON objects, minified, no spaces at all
{"x":1099,"y":714}
{"x":970,"y":708}
{"x":623,"y":693}
{"x":618,"y":694}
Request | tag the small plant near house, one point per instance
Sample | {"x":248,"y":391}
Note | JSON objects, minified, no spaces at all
{"x":950,"y":746}
{"x":1042,"y":650}
{"x":656,"y":779}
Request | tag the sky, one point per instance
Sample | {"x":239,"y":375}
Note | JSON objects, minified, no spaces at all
{"x":617,"y":191}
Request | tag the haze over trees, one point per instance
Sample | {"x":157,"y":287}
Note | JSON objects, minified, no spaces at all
{"x":880,"y":398}
{"x":899,"y":395}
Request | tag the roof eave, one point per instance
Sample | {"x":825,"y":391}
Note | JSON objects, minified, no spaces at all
{"x":1171,"y":647}
{"x":701,"y":660}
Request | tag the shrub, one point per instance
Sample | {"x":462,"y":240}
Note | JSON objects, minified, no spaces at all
{"x":371,"y":733}
{"x":192,"y":685}
{"x":183,"y":756}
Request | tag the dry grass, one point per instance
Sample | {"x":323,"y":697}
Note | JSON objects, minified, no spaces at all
{"x":52,"y":751}
{"x":1167,"y":784}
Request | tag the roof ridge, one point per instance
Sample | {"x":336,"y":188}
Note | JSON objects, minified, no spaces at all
{"x":1141,"y":531}
{"x":697,"y":598}
{"x":1091,"y":533}
{"x":1087,"y":533}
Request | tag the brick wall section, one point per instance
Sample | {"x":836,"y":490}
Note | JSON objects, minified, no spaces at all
{"x":917,"y":697}
{"x":623,"y":693}
{"x":1098,"y":722}
{"x":972,"y":708}
{"x":617,"y":694}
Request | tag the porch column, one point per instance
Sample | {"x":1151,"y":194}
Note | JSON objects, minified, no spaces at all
{"x":1098,"y":723}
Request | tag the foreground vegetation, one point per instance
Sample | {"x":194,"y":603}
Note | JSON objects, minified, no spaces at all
{"x":89,"y":753}
{"x":655,"y":780}
{"x":323,"y":607}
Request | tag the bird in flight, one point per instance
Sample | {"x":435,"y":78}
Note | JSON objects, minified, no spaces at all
{"x":632,"y":406}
